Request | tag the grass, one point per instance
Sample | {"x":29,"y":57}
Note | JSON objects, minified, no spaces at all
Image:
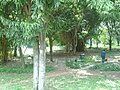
{"x":17,"y":74}
{"x":28,"y":69}
{"x":106,"y":67}
{"x":13,"y":77}
{"x":74,"y":82}
{"x":18,"y":86}
{"x":13,"y":74}
{"x":71,"y":82}
{"x":113,"y":54}
{"x":66,"y":82}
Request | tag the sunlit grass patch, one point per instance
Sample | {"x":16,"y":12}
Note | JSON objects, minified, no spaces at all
{"x":71,"y":82}
{"x":13,"y":77}
{"x":17,"y":86}
{"x":106,"y":67}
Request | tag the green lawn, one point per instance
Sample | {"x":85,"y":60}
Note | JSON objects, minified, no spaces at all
{"x":74,"y":82}
{"x":18,"y":86}
{"x":13,"y":77}
{"x":68,"y":82}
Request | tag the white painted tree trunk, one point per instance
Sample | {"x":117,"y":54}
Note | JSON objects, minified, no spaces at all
{"x":39,"y":63}
{"x":36,"y":66}
{"x":42,"y":58}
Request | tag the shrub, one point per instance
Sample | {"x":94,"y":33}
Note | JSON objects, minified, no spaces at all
{"x":89,"y":59}
{"x":74,"y":64}
{"x":106,"y":67}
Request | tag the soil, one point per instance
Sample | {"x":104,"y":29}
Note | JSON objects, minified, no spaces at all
{"x":61,"y":69}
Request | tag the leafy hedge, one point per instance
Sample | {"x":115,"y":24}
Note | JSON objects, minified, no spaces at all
{"x":87,"y":60}
{"x":106,"y":67}
{"x":74,"y":64}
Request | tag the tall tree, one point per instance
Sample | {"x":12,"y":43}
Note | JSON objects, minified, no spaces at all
{"x":111,"y":19}
{"x":43,"y":10}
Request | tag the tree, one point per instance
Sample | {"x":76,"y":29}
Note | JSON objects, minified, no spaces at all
{"x":53,"y":29}
{"x":77,"y":24}
{"x":40,"y":57}
{"x":111,"y":19}
{"x":26,"y":27}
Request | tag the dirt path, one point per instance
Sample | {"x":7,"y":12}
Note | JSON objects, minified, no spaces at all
{"x":63,"y":70}
{"x":82,"y":72}
{"x":59,"y":72}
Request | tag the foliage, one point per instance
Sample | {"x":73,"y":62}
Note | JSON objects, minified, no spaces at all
{"x":75,"y":64}
{"x":106,"y":67}
{"x":88,"y":59}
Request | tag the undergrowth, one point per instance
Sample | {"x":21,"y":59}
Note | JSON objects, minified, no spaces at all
{"x":106,"y":67}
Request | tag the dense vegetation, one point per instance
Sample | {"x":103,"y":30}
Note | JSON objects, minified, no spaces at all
{"x":74,"y":24}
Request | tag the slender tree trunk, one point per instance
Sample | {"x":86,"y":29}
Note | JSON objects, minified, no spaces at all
{"x":4,"y":49}
{"x":66,"y":38}
{"x":51,"y":45}
{"x":80,"y":46}
{"x":110,"y":28}
{"x":118,"y":42}
{"x":91,"y":43}
{"x":67,"y":47}
{"x":110,"y":43}
{"x":36,"y":66}
{"x":42,"y":58}
{"x":15,"y":51}
{"x":97,"y":44}
{"x":22,"y":57}
{"x":75,"y":42}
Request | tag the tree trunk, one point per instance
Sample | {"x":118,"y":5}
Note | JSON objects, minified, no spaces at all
{"x":22,"y":57}
{"x":80,"y":46}
{"x":97,"y":44}
{"x":90,"y":43}
{"x":51,"y":45}
{"x":36,"y":66}
{"x":39,"y":63}
{"x":110,"y":43}
{"x":4,"y":49}
{"x":42,"y":58}
{"x":75,"y":41}
{"x":67,"y":47}
{"x":118,"y":42}
{"x":15,"y":51}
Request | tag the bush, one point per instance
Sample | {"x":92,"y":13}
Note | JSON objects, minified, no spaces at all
{"x":106,"y":67}
{"x":74,"y":64}
{"x":89,"y":59}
